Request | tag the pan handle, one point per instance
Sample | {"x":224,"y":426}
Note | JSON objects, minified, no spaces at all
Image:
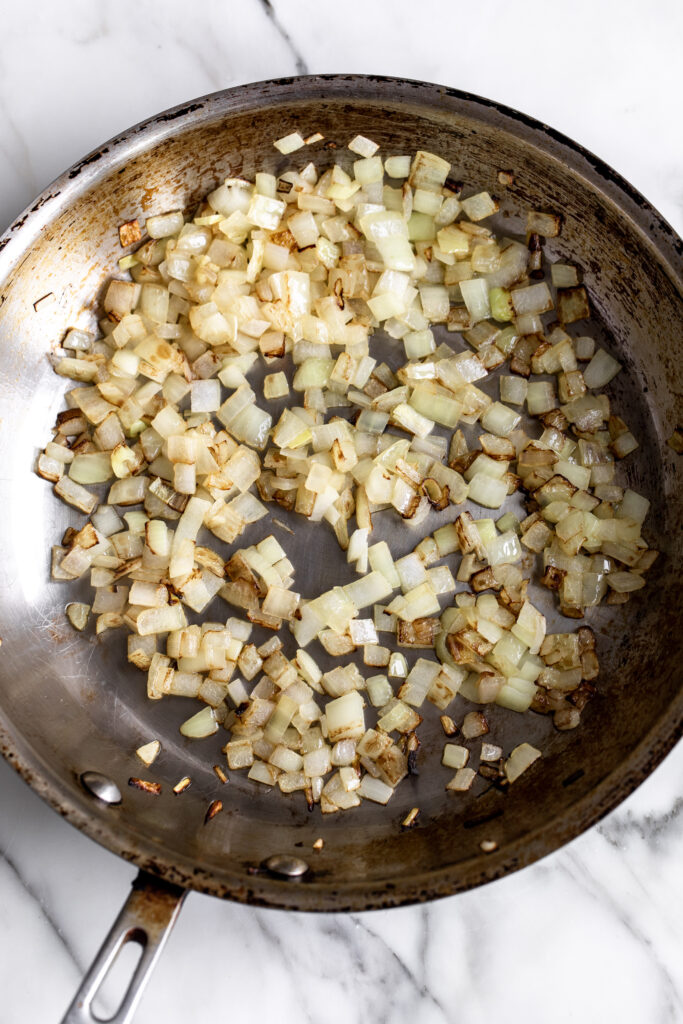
{"x":147,"y":917}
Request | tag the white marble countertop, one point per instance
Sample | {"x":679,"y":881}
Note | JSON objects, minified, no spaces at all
{"x":592,"y":933}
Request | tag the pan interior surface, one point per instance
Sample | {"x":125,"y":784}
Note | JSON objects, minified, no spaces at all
{"x":70,"y":704}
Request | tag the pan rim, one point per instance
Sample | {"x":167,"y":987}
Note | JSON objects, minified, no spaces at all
{"x":318,"y":897}
{"x":143,"y":131}
{"x":603,"y":798}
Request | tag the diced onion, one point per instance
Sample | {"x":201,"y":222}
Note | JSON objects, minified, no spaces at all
{"x":296,"y":272}
{"x":149,"y":752}
{"x":521,"y":758}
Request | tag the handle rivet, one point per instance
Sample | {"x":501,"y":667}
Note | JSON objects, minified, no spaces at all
{"x":286,"y":866}
{"x":101,"y":787}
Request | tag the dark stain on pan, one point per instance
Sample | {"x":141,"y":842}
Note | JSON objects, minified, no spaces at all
{"x":43,"y":200}
{"x":574,"y":777}
{"x":173,"y":115}
{"x":483,"y":819}
{"x":86,"y":161}
{"x":154,"y":903}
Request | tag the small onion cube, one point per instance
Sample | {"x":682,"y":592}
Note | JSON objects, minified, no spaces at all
{"x":499,"y":419}
{"x":280,"y":603}
{"x":487,"y":491}
{"x":563,"y":275}
{"x":265,"y":212}
{"x":410,"y":420}
{"x":513,"y":390}
{"x":149,"y":752}
{"x":205,"y":395}
{"x":419,"y":681}
{"x":317,"y":762}
{"x":540,"y":397}
{"x":161,"y":620}
{"x":462,"y":780}
{"x":546,"y":224}
{"x":474,"y":724}
{"x":374,"y":789}
{"x":201,"y":725}
{"x":585,"y":348}
{"x":376,"y":656}
{"x":164,"y":225}
{"x":240,"y":753}
{"x":78,"y":613}
{"x":475,"y":295}
{"x":397,"y":166}
{"x":289,"y":143}
{"x":633,"y":506}
{"x":362,"y":146}
{"x":71,"y":492}
{"x":521,"y":758}
{"x":264,"y":773}
{"x":362,"y":631}
{"x":398,"y":666}
{"x":534,"y":298}
{"x":345,"y":718}
{"x":368,"y":590}
{"x":624,"y":582}
{"x":454,"y":756}
{"x":368,"y":170}
{"x":379,"y":690}
{"x":601,"y":370}
{"x":479,"y":206}
{"x":275,"y":385}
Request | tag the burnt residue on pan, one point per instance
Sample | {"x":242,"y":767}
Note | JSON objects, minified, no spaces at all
{"x":67,"y":243}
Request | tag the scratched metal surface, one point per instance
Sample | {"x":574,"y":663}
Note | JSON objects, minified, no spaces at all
{"x":69,"y":703}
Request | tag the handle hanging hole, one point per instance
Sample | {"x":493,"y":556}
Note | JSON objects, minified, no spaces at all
{"x":113,"y":989}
